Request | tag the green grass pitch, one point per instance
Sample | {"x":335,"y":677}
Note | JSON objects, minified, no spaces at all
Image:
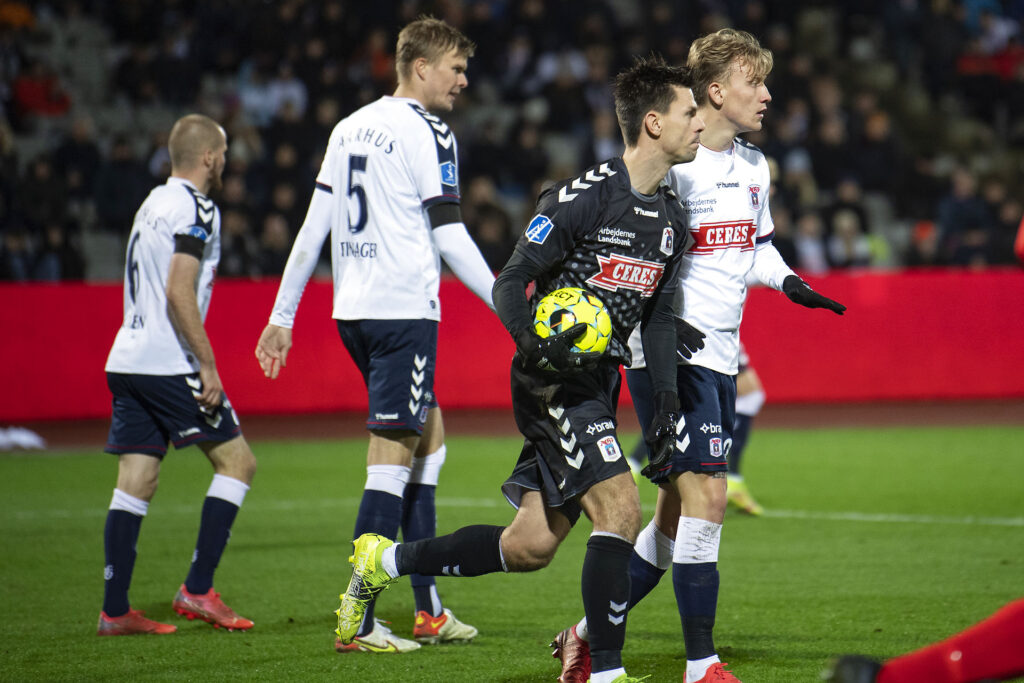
{"x":875,"y":541}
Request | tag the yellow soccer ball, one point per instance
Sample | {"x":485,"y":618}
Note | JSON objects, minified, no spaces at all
{"x":563,"y":308}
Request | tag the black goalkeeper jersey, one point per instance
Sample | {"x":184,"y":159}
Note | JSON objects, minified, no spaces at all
{"x":596,"y":232}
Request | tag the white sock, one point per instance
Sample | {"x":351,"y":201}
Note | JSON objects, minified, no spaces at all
{"x":697,"y":541}
{"x":606,"y":676}
{"x":227,"y":488}
{"x":654,"y":547}
{"x":427,"y":470}
{"x":387,"y":560}
{"x":696,"y":668}
{"x":387,"y":478}
{"x":128,"y":503}
{"x":581,"y":630}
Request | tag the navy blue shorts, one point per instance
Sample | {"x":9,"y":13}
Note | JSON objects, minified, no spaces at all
{"x":396,"y":359}
{"x":708,"y":405}
{"x":150,"y":410}
{"x":570,"y":435}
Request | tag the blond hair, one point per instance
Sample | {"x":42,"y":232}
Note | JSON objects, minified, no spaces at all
{"x":712,"y":58}
{"x":431,"y":39}
{"x":191,"y":137}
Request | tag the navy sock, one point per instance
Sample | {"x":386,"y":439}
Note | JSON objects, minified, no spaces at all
{"x":119,"y":537}
{"x":740,"y":434}
{"x":469,"y":551}
{"x":379,"y":513}
{"x":696,"y":588}
{"x":419,"y":521}
{"x":214,"y":531}
{"x":643,"y":577}
{"x":605,"y":584}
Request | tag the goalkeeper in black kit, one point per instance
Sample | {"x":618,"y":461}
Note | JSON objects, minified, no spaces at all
{"x":618,"y":232}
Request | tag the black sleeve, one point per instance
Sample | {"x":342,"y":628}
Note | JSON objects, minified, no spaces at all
{"x":509,"y":293}
{"x":443,"y":214}
{"x":658,"y":334}
{"x":658,"y":327}
{"x":188,"y":244}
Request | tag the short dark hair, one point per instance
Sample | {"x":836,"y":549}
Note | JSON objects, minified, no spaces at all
{"x":431,"y":39}
{"x":646,"y":86}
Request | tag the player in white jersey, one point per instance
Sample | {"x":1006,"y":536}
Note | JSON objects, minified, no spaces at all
{"x":163,"y":376}
{"x":724,"y":192}
{"x":388,"y":195}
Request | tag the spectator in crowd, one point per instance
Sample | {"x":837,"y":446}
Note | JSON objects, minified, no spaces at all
{"x":16,"y":255}
{"x":41,"y":196}
{"x":121,"y":185}
{"x":924,"y":246}
{"x":59,"y":257}
{"x":964,"y":220}
{"x":38,"y":93}
{"x":275,"y":244}
{"x":77,"y":159}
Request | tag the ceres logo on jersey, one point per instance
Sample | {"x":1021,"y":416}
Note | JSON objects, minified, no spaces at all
{"x":629,"y":273}
{"x":710,"y":237}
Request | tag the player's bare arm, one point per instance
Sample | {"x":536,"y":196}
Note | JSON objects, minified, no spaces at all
{"x":183,"y":309}
{"x":272,"y":349}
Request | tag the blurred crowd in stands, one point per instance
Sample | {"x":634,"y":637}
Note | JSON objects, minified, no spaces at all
{"x":896,"y":131}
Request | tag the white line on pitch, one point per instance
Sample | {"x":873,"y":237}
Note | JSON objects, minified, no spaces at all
{"x":499,"y":502}
{"x":893,"y":518}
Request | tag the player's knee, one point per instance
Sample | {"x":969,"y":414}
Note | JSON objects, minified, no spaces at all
{"x":247,"y":467}
{"x":527,"y":552}
{"x":234,"y":459}
{"x":623,"y":518}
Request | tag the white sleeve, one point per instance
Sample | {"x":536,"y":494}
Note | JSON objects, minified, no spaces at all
{"x":461,"y":254}
{"x":769,"y":268}
{"x":303,"y":258}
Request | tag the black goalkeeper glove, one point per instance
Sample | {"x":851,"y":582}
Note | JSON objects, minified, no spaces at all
{"x":799,"y":292}
{"x":660,"y":435}
{"x":691,"y":340}
{"x":555,"y":353}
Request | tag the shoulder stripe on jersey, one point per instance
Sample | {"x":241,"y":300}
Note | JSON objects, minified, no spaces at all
{"x":766,"y":238}
{"x":577,"y":184}
{"x":443,"y":137}
{"x":444,"y":143}
{"x":205,"y":210}
{"x":325,"y":187}
{"x":748,"y":145}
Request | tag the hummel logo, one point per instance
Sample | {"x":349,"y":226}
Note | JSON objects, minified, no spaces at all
{"x":644,"y":212}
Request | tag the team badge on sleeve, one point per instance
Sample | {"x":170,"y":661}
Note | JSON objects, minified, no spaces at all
{"x":198,"y":232}
{"x":448,"y":174}
{"x":539,"y":228}
{"x":610,"y":450}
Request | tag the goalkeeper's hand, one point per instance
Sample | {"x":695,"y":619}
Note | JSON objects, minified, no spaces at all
{"x":690,"y":339}
{"x":660,"y":435}
{"x":799,"y":292}
{"x":555,"y":353}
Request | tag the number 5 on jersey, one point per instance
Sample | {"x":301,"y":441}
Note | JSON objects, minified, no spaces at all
{"x":357,"y":164}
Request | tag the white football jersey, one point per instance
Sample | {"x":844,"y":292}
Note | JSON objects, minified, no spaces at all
{"x":725,"y":196}
{"x":147,"y":343}
{"x":385,"y":165}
